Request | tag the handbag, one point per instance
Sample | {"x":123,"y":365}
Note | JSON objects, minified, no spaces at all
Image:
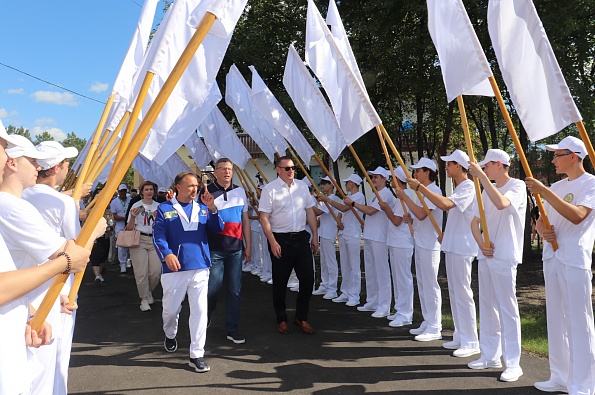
{"x":128,"y":238}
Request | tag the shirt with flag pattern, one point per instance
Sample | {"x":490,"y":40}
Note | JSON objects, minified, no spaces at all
{"x":231,"y":203}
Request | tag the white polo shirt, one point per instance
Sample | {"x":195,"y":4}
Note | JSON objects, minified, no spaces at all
{"x":286,"y":205}
{"x":351,"y":225}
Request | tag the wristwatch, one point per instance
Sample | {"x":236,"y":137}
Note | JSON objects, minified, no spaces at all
{"x":352,"y":204}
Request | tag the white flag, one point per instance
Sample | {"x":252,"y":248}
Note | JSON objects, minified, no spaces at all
{"x":530,"y":69}
{"x":266,"y":103}
{"x":354,"y":112}
{"x":198,"y":151}
{"x":162,"y":175}
{"x":312,"y":105}
{"x":222,"y":141}
{"x":237,"y":96}
{"x":465,"y":69}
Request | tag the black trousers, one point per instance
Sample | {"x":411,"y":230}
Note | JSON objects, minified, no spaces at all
{"x":295,"y":254}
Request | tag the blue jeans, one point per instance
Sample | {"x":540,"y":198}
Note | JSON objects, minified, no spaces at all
{"x":226,"y":265}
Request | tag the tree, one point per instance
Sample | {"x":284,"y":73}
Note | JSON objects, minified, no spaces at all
{"x":45,"y":136}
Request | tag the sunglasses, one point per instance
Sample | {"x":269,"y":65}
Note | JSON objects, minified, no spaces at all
{"x":287,"y":168}
{"x":566,"y":154}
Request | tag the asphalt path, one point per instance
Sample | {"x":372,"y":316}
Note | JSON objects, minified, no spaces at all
{"x":119,"y":350}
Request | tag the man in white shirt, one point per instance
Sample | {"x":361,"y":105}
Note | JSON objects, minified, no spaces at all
{"x":505,"y":203}
{"x":350,"y":242}
{"x":118,"y":207}
{"x":285,"y":206}
{"x":378,"y":286}
{"x":569,"y":206}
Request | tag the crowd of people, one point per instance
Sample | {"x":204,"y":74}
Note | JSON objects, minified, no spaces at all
{"x":203,"y":236}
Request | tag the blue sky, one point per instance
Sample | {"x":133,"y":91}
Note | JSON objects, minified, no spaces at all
{"x":76,"y":44}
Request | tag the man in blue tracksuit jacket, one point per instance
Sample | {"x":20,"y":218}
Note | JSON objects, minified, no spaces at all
{"x":180,"y":238}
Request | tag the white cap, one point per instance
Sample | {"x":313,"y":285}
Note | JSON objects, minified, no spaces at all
{"x":57,"y":151}
{"x":327,"y":179}
{"x":400,"y":173}
{"x":122,"y":186}
{"x":354,"y":178}
{"x":21,"y":146}
{"x":496,"y":155}
{"x":8,"y":137}
{"x":307,"y":181}
{"x":457,"y":156}
{"x":380,"y":171}
{"x":161,"y":189}
{"x":425,"y":162}
{"x":572,"y":144}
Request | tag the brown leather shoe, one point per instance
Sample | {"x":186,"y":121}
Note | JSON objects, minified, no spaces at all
{"x":283,"y":328}
{"x":306,"y":328}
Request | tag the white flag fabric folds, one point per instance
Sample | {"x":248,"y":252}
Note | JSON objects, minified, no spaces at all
{"x":530,"y":69}
{"x":198,"y":151}
{"x":237,"y":96}
{"x":266,"y":103}
{"x":312,"y":105}
{"x":163,"y":175}
{"x":354,"y":112}
{"x":465,"y":69}
{"x":222,"y":141}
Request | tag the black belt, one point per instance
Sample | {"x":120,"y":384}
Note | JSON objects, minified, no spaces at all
{"x":146,"y":234}
{"x":289,"y":235}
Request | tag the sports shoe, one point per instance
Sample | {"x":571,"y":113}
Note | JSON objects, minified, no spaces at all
{"x":428,"y":337}
{"x":453,"y":345}
{"x":330,"y":295}
{"x":352,"y":303}
{"x":399,"y":322}
{"x":199,"y":365}
{"x":379,"y":314}
{"x":343,"y":298}
{"x":270,"y":282}
{"x":171,"y":345}
{"x":484,"y":364}
{"x":265,"y":278}
{"x":144,"y":305}
{"x":128,"y":263}
{"x":319,"y":291}
{"x":292,"y":284}
{"x":99,"y":281}
{"x":418,"y":331}
{"x":550,"y":386}
{"x":150,"y":298}
{"x":464,"y":352}
{"x":123,"y":268}
{"x":256,"y":271}
{"x":511,"y":374}
{"x":392,"y":316}
{"x":366,"y":307}
{"x":236,"y":338}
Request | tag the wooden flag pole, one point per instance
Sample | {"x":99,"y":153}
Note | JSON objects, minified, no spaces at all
{"x":247,"y":177}
{"x":408,"y":174}
{"x":586,"y":140}
{"x":243,"y":181}
{"x":343,"y":195}
{"x":363,"y":169}
{"x":480,"y":206}
{"x":84,"y":237}
{"x":522,"y":157}
{"x":90,"y":206}
{"x":392,"y":172}
{"x":70,"y":181}
{"x":104,"y":161}
{"x":92,"y":148}
{"x":258,"y":168}
{"x":318,"y":191}
{"x":108,"y":146}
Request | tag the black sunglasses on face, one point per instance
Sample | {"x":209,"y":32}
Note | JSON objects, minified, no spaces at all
{"x":287,"y":168}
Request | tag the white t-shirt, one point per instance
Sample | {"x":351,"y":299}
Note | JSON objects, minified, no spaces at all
{"x":399,"y":236}
{"x":119,"y":207}
{"x":575,"y":242}
{"x":144,"y":220}
{"x":351,"y":225}
{"x":458,"y":238}
{"x":506,"y":227}
{"x":286,"y":205}
{"x":375,"y":226}
{"x":425,"y":234}
{"x":328,"y":225}
{"x":58,"y":210}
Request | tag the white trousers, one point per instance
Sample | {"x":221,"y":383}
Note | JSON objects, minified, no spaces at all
{"x":256,"y":248}
{"x":400,"y":266}
{"x":462,"y":305}
{"x":351,"y":272}
{"x":63,"y":354}
{"x":500,"y":323}
{"x":122,"y":251}
{"x":571,"y":335}
{"x":430,"y":296}
{"x":377,"y":275}
{"x":267,"y":264}
{"x":329,"y":269}
{"x":175,"y":287}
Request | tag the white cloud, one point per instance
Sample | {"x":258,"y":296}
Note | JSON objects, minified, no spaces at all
{"x":63,"y":99}
{"x":16,"y":91}
{"x":3,"y":113}
{"x":99,"y":87}
{"x":44,"y":121}
{"x":56,"y":133}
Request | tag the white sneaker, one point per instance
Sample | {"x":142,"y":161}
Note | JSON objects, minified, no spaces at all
{"x":453,"y":345}
{"x":550,"y":386}
{"x":428,"y":336}
{"x":352,"y":303}
{"x":270,"y":282}
{"x":247,"y":268}
{"x":420,"y":330}
{"x":144,"y":305}
{"x":366,"y":307}
{"x":484,"y":364}
{"x":123,"y":268}
{"x":511,"y":374}
{"x":256,"y":271}
{"x":341,"y":299}
{"x":319,"y":291}
{"x":293,"y":284}
{"x":398,"y":322}
{"x":265,"y":279}
{"x":464,"y":352}
{"x":391,"y":317}
{"x":150,"y":299}
{"x":330,"y":295}
{"x":379,"y":314}
{"x":128,"y":263}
